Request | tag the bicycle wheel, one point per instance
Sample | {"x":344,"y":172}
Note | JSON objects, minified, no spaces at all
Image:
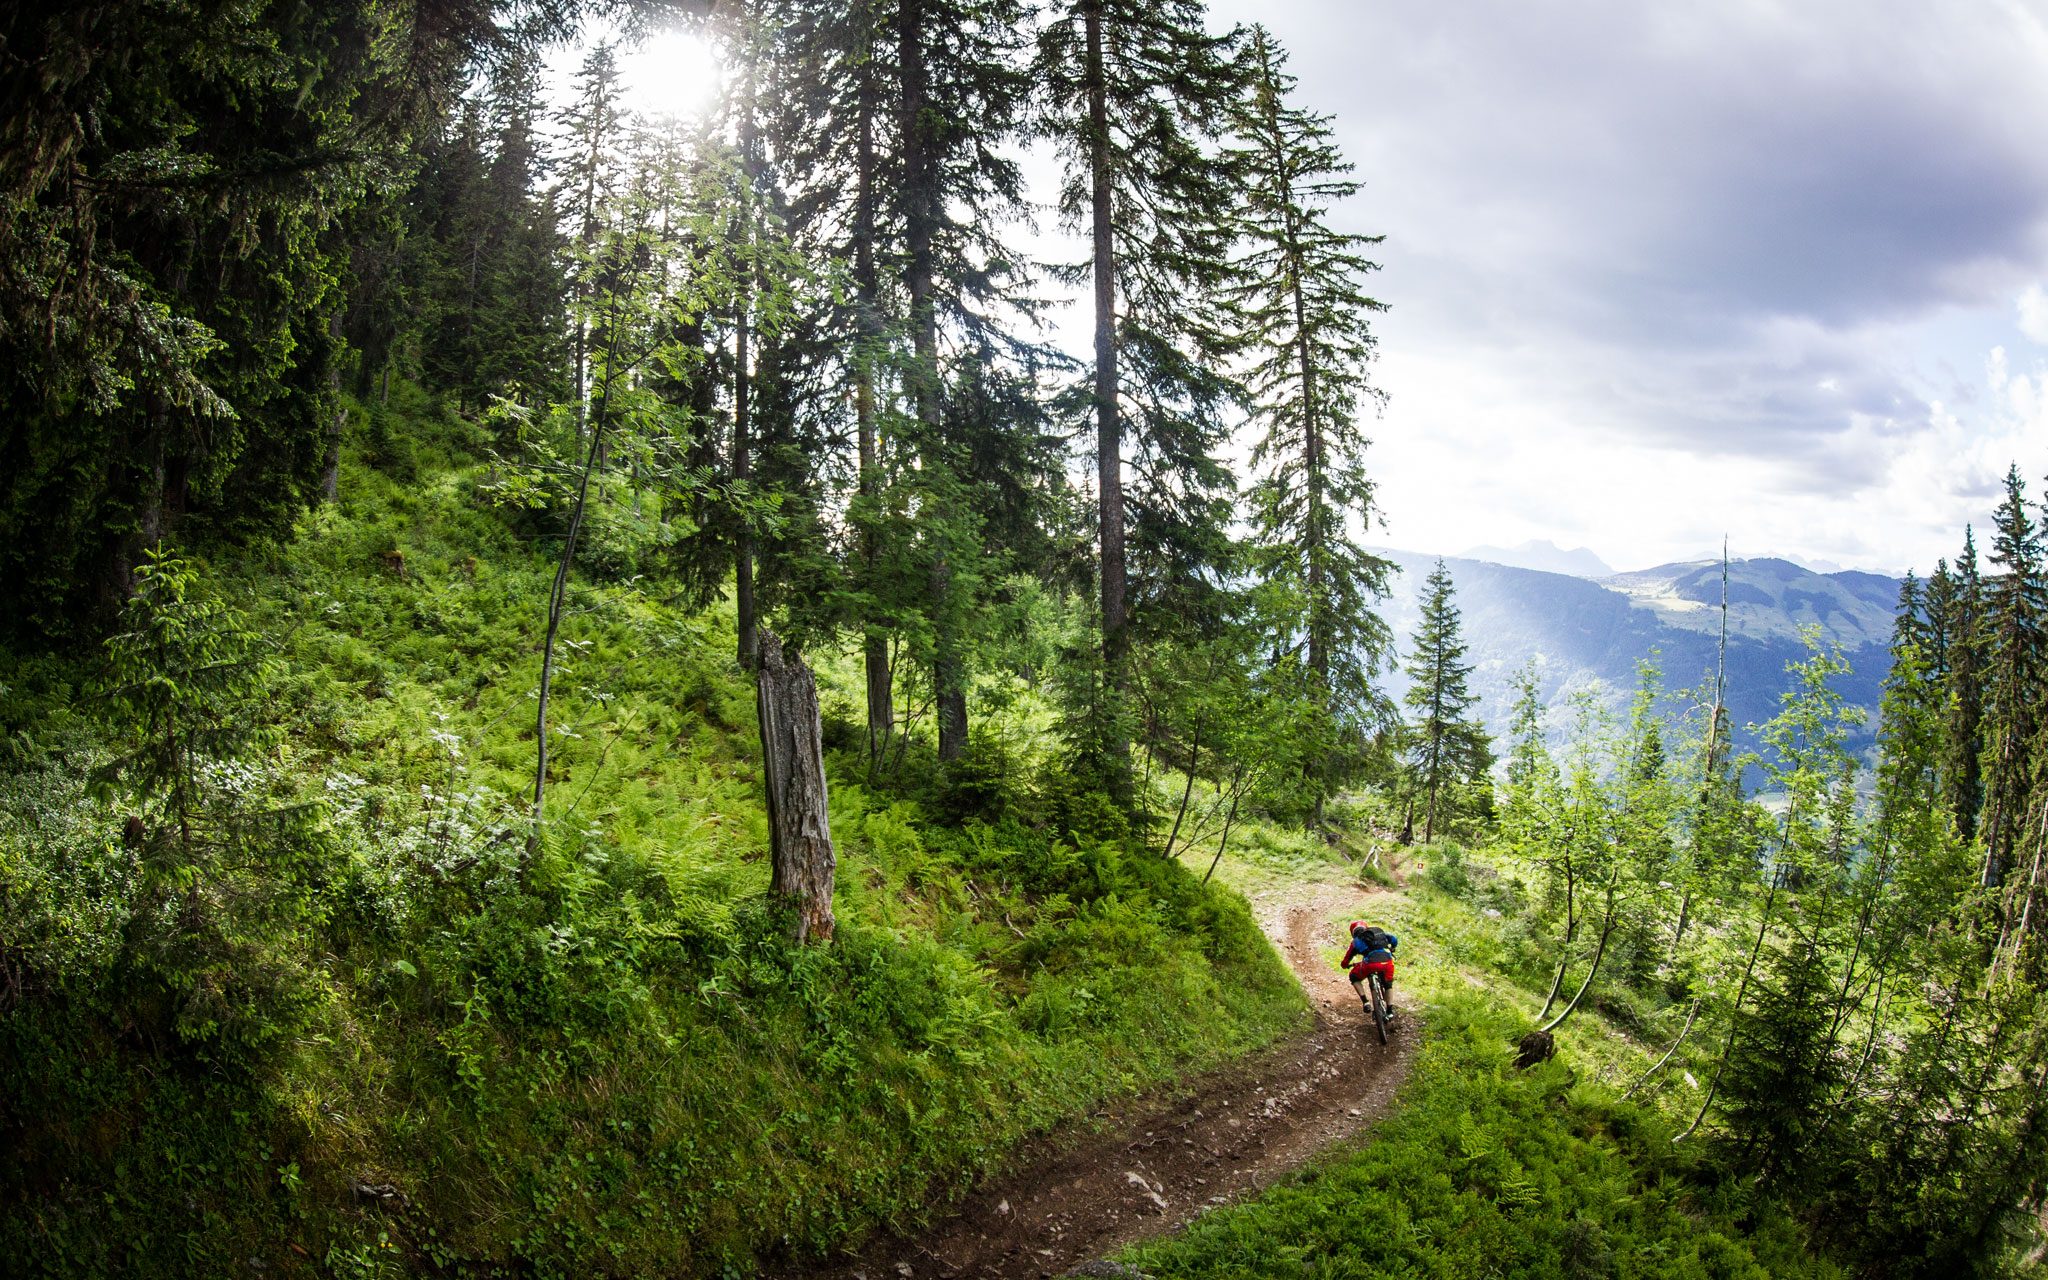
{"x":1379,"y":1007}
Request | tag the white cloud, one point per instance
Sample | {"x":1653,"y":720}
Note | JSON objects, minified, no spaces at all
{"x":2034,"y":314}
{"x":1659,"y":273}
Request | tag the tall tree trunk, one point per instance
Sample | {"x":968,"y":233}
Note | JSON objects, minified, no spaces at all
{"x":1108,"y":419}
{"x":337,"y":420}
{"x":949,"y":671}
{"x":1571,"y":929}
{"x":743,"y":379}
{"x":1707,"y":753}
{"x":793,"y":764}
{"x":742,"y":471}
{"x":881,"y":697}
{"x":330,"y":462}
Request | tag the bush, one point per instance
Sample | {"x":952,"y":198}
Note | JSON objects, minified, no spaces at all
{"x":1447,"y":871}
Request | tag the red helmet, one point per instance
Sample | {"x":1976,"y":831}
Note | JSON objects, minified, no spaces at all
{"x":1358,"y":926}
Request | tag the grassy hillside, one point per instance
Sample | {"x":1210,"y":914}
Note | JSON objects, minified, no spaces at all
{"x":1484,"y":1169}
{"x":359,"y":1033}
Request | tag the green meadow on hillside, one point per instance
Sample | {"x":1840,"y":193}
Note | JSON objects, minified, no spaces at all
{"x":1482,"y":1168}
{"x":373,"y":1039}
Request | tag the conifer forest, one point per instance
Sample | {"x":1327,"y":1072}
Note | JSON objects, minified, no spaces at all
{"x":805,"y":683}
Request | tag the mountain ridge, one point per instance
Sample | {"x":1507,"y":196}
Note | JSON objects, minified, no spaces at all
{"x":1588,"y":635}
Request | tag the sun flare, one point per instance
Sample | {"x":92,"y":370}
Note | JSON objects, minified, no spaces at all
{"x":671,"y":73}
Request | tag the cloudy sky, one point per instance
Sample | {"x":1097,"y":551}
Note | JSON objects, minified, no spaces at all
{"x":1660,"y":272}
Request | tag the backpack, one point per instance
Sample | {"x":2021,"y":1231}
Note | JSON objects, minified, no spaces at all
{"x":1373,"y":939}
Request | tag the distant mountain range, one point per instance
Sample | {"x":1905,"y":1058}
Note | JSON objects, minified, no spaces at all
{"x":1588,"y":632}
{"x":1545,"y":556}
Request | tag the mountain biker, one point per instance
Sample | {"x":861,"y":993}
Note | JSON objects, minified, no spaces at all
{"x":1374,"y":949}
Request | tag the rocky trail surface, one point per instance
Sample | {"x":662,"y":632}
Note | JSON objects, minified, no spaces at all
{"x":1151,"y":1165}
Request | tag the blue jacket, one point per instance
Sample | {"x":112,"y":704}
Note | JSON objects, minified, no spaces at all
{"x":1357,"y":948}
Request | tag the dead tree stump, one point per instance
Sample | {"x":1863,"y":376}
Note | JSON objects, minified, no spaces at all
{"x":793,"y":759}
{"x":1537,"y":1046}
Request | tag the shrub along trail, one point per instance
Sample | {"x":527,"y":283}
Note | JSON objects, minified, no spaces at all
{"x":1152,"y":1165}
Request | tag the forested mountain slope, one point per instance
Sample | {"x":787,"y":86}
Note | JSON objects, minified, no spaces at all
{"x":1587,"y":635}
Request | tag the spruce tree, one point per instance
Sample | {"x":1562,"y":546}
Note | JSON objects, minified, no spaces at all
{"x":493,"y":280}
{"x":958,"y":95}
{"x":1135,"y":92}
{"x":1962,"y":767}
{"x":839,"y":152}
{"x":1303,"y":317}
{"x":592,"y":127}
{"x":2015,"y":628}
{"x":1444,"y":747}
{"x":1937,"y":610}
{"x":176,"y":196}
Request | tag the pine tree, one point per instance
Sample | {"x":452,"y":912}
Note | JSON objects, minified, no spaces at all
{"x":2016,"y":649}
{"x":1445,"y":748}
{"x":592,"y":128}
{"x":1962,"y":767}
{"x":1299,"y":303}
{"x":960,"y":94}
{"x":175,"y":204}
{"x":839,"y":150}
{"x":1135,"y":91}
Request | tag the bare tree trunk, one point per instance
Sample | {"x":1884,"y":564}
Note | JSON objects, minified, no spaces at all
{"x":1236,"y":793}
{"x":1571,"y":930}
{"x":793,"y":763}
{"x":1606,"y":931}
{"x":874,"y":645}
{"x":1109,"y":481}
{"x":1194,"y":758}
{"x":330,"y":461}
{"x":1658,"y":1065}
{"x":742,"y":470}
{"x":748,"y":625}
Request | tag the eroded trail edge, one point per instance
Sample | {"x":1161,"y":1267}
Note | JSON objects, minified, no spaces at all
{"x":1156,"y":1162}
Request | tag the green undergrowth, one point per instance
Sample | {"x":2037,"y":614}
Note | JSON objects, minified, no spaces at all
{"x":1483,"y":1170}
{"x":373,"y":1037}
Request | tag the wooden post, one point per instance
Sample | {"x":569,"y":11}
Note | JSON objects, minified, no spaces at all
{"x":793,"y":760}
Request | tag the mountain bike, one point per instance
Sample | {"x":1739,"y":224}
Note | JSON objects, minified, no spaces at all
{"x":1377,"y":1007}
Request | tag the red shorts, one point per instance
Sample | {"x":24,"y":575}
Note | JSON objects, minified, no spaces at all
{"x":1384,"y":968}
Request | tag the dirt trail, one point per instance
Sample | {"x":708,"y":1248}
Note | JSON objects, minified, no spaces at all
{"x":1152,"y":1165}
